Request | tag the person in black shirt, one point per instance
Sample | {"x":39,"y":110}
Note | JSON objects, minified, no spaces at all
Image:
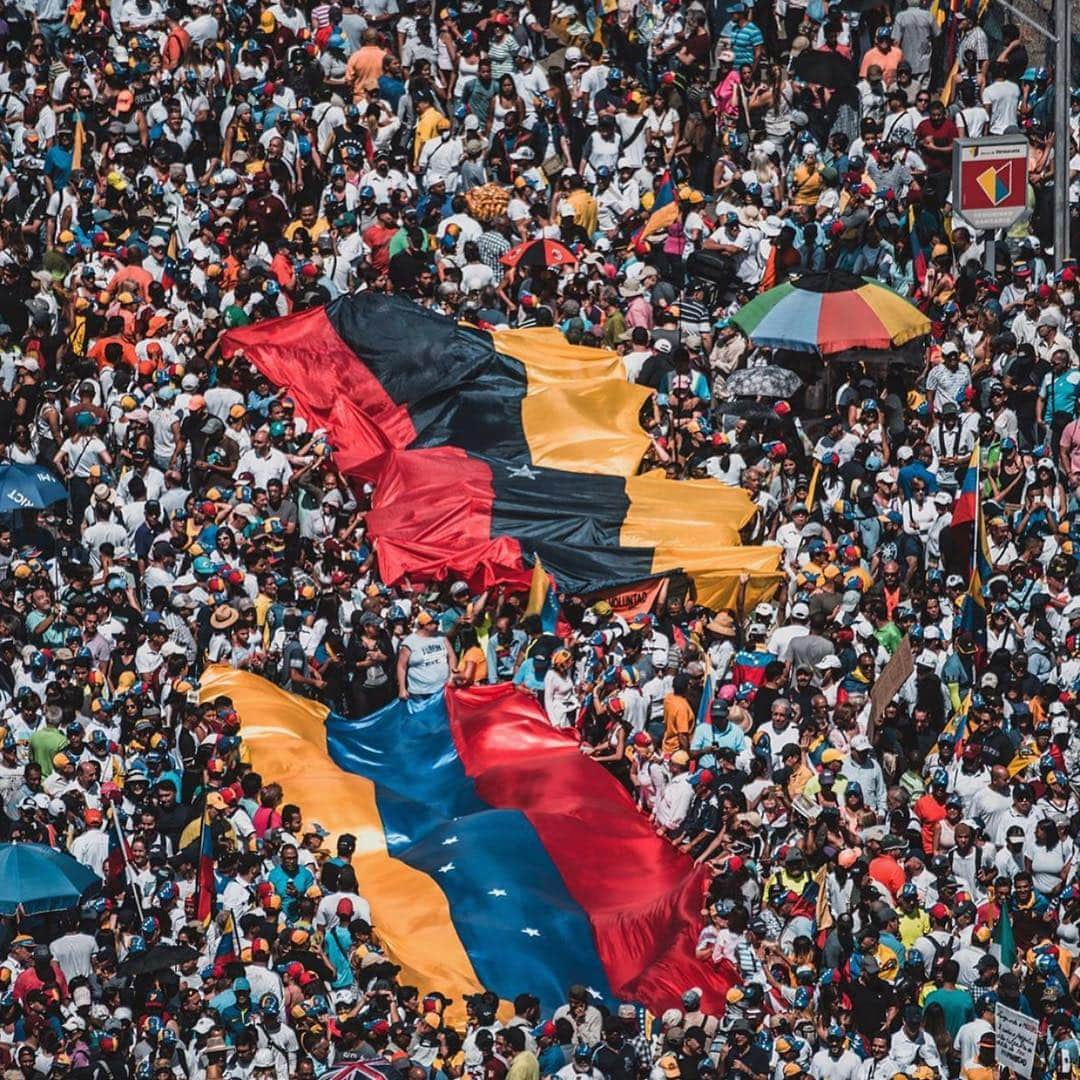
{"x":1023,"y":376}
{"x":615,"y":1057}
{"x":875,"y":1003}
{"x":742,"y":1059}
{"x":369,"y":665}
{"x":409,"y":263}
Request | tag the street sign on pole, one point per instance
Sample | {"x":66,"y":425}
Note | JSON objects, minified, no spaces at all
{"x":990,"y":180}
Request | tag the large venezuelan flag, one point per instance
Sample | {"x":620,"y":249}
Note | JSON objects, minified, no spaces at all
{"x":486,"y":448}
{"x":494,"y":855}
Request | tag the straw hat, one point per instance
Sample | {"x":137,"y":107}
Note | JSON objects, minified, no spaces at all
{"x":224,"y":617}
{"x":722,"y":624}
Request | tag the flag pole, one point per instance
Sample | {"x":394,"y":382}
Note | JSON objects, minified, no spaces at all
{"x":978,"y":514}
{"x":127,"y":864}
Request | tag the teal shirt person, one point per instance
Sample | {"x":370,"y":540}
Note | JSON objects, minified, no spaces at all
{"x":338,"y":943}
{"x":280,"y":880}
{"x":526,"y":675}
{"x":1058,"y":392}
{"x":957,"y":1006}
{"x":721,"y":736}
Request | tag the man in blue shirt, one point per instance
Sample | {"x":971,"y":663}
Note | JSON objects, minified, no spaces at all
{"x":914,"y":468}
{"x":746,"y":39}
{"x":1056,"y":404}
{"x":715,"y":734}
{"x":57,"y":165}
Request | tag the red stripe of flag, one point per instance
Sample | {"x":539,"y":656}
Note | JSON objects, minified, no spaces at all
{"x":645,"y":923}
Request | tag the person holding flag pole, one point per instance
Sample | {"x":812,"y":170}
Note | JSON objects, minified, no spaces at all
{"x":120,"y":861}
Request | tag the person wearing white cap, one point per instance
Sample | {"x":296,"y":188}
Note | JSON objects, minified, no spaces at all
{"x":862,"y":768}
{"x":783,"y":635}
{"x":942,"y":504}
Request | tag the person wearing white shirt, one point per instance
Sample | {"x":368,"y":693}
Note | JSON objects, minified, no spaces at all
{"x":73,"y":951}
{"x":783,"y":636}
{"x":910,"y":1047}
{"x":881,"y":1066}
{"x":91,"y":847}
{"x":264,"y":462}
{"x":220,"y":399}
{"x":1002,"y":99}
{"x":835,"y":1062}
{"x":342,"y":906}
{"x":237,"y":896}
{"x":967,"y":1037}
{"x":671,"y":808}
{"x":992,"y":803}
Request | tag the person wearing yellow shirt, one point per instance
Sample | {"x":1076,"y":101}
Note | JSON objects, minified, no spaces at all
{"x":310,"y":220}
{"x":586,"y":214}
{"x":799,"y":773}
{"x":429,"y":122}
{"x":806,"y":183}
{"x":914,"y":922}
{"x":524,"y":1064}
{"x":830,"y":777}
{"x":679,"y":720}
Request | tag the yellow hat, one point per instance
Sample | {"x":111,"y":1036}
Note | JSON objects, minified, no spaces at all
{"x":680,"y":757}
{"x":126,"y":298}
{"x":66,"y":237}
{"x":117,"y":181}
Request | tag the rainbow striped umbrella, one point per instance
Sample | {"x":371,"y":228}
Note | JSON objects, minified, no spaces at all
{"x":830,"y":312}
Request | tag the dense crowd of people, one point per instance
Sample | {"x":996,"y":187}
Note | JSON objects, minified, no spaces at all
{"x":879,"y":884}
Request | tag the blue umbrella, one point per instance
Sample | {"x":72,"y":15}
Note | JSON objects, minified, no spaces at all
{"x":35,"y":878}
{"x":28,"y":487}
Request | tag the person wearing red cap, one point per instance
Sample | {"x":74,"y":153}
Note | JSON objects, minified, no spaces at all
{"x":332,"y":910}
{"x":939,"y":942}
{"x":91,"y":847}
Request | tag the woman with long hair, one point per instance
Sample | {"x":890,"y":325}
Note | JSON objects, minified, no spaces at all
{"x":1048,"y":856}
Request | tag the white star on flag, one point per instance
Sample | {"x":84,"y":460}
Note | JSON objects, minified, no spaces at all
{"x":447,"y":868}
{"x":594,"y":993}
{"x":449,"y":840}
{"x":523,"y":472}
{"x":496,"y":892}
{"x":531,"y":931}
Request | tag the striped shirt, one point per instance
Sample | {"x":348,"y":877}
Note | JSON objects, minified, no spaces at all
{"x":493,"y":246}
{"x":744,"y":40}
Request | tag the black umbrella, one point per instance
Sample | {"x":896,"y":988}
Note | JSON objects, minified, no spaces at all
{"x":824,"y":68}
{"x":158,"y":958}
